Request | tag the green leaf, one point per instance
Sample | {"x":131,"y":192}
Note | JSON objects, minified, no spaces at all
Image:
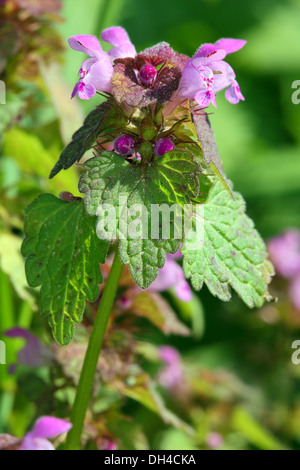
{"x":105,"y":119}
{"x":34,"y":158}
{"x":254,"y":432}
{"x":167,"y":180}
{"x":62,"y":255}
{"x":230,"y":251}
{"x":142,"y":390}
{"x":154,"y":307}
{"x":12,"y":263}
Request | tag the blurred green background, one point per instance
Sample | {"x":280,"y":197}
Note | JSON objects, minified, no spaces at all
{"x":258,"y":405}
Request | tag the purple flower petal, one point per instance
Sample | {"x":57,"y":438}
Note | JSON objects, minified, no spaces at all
{"x":206,"y":74}
{"x":194,"y":78}
{"x":35,"y":443}
{"x":223,"y":75}
{"x":210,"y":53}
{"x":109,"y":445}
{"x":176,"y":255}
{"x":116,"y":36}
{"x":86,"y":66}
{"x":231,"y":45}
{"x":169,"y":355}
{"x":85,"y":90}
{"x":294,"y":292}
{"x":119,"y":38}
{"x":90,"y":45}
{"x":35,"y":353}
{"x":172,"y":374}
{"x":48,"y":427}
{"x":233,"y":94}
{"x":170,"y":275}
{"x":100,"y":74}
{"x":204,"y":98}
{"x":214,"y":440}
{"x":285,"y":253}
{"x":75,"y":91}
{"x":184,"y":291}
{"x":121,"y":52}
{"x":18,"y":332}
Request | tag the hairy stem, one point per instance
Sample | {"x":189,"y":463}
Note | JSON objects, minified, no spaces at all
{"x":84,"y":388}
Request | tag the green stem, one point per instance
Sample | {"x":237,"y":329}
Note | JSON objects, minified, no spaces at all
{"x":7,"y":321}
{"x":85,"y":385}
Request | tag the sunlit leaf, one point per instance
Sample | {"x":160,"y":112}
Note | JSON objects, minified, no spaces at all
{"x":229,"y":253}
{"x":62,"y":255}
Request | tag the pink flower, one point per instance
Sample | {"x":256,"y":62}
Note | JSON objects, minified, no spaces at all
{"x":44,"y":429}
{"x":285,"y":253}
{"x":109,"y":445}
{"x":214,"y":440}
{"x":172,"y":375}
{"x":207,"y":73}
{"x":172,"y":276}
{"x":34,"y":353}
{"x":169,"y":355}
{"x":97,"y":71}
{"x":118,"y":37}
{"x":294,"y":292}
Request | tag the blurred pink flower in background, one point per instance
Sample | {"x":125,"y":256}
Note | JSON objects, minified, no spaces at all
{"x":172,"y":276}
{"x":34,"y":353}
{"x":172,"y":374}
{"x":294,"y":292}
{"x":285,"y":254}
{"x":45,"y":428}
{"x":214,"y":440}
{"x":109,"y":445}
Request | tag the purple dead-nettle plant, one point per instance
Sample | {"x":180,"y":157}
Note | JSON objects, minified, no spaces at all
{"x":154,"y":149}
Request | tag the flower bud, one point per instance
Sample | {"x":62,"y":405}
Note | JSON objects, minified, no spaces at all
{"x":125,"y":145}
{"x":148,"y":74}
{"x":163,"y":146}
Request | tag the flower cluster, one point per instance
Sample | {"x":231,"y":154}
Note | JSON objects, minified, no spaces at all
{"x":285,"y":255}
{"x":156,"y":73}
{"x":97,"y":71}
{"x":207,"y":73}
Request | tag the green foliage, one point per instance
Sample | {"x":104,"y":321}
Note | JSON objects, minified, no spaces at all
{"x":62,"y":255}
{"x":12,"y":263}
{"x":103,"y":120}
{"x":232,"y":252}
{"x":172,"y":178}
{"x":152,"y":306}
{"x":28,"y":149}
